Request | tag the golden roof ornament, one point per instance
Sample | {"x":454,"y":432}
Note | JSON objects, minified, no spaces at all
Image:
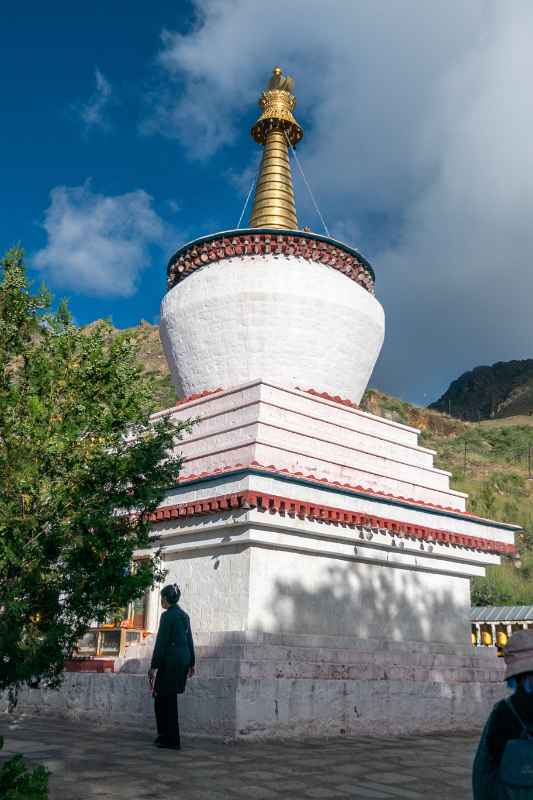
{"x":276,"y":129}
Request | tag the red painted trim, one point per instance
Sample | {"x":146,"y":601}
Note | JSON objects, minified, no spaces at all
{"x":276,"y":504}
{"x":198,"y":395}
{"x":334,"y":398}
{"x":272,"y":470}
{"x":90,"y":665}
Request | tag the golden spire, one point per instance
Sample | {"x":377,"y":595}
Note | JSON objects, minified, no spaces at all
{"x":274,"y":196}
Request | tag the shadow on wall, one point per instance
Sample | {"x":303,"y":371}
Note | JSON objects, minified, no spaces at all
{"x":373,"y":601}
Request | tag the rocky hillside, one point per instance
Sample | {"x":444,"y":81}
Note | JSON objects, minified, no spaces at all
{"x":503,"y":390}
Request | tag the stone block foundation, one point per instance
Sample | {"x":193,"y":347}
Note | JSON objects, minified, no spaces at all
{"x":251,"y":684}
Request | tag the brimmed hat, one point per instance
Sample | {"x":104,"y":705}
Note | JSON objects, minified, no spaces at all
{"x":518,"y":653}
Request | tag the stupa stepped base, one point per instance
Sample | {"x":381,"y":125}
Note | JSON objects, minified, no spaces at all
{"x":252,"y":684}
{"x":304,"y":433}
{"x":325,"y":564}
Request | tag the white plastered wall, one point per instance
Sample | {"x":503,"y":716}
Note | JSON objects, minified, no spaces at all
{"x":281,"y":591}
{"x":284,"y":319}
{"x":214,"y":588}
{"x":303,"y":594}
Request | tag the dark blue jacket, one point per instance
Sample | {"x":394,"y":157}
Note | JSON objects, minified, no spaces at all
{"x":173,"y":652}
{"x":501,"y":726}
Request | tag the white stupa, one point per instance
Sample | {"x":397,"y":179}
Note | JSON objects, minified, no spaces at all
{"x":324,"y":559}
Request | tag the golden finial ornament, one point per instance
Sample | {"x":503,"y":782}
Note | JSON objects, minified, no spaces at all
{"x":275,"y":129}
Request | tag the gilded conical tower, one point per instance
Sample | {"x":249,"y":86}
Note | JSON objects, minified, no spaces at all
{"x":276,"y":129}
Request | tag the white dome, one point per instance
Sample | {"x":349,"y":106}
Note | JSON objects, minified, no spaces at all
{"x":277,"y":318}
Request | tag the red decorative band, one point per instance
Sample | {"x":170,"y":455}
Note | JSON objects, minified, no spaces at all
{"x":90,"y":665}
{"x":286,"y":506}
{"x":334,"y":398}
{"x":198,"y":396}
{"x":199,"y":254}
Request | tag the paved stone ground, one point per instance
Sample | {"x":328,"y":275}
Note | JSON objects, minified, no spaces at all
{"x":87,"y":762}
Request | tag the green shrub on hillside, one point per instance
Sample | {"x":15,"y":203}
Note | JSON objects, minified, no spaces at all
{"x":504,"y":586}
{"x":394,"y":409}
{"x":505,"y":445}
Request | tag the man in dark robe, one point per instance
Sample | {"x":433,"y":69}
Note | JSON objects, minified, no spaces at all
{"x":172,"y":663}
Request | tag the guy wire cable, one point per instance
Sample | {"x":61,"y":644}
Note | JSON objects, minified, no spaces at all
{"x":311,"y":195}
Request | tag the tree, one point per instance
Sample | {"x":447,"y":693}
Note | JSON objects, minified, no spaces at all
{"x":81,"y":466}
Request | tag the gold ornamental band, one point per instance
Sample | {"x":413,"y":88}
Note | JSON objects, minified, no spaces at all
{"x":271,"y":167}
{"x":282,"y":223}
{"x":277,"y":176}
{"x":277,"y":206}
{"x":275,"y":191}
{"x":274,"y":180}
{"x":278,"y":203}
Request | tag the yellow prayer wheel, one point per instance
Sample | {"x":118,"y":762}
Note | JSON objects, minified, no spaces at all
{"x":486,"y":638}
{"x":474,"y":638}
{"x":501,"y":639}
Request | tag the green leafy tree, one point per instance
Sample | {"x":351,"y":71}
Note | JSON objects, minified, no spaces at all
{"x":81,"y":466}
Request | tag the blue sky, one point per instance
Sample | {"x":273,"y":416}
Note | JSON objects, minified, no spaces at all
{"x":49,"y":56}
{"x":125,"y":133}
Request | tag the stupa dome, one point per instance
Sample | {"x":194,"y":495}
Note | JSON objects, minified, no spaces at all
{"x":271,"y":302}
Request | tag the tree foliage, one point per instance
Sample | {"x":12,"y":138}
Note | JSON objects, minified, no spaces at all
{"x":17,"y":782}
{"x":81,"y":464}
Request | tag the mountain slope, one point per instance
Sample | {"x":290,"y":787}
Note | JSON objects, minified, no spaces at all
{"x":503,"y":390}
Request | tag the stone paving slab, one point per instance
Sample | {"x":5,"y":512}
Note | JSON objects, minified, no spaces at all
{"x":90,"y":763}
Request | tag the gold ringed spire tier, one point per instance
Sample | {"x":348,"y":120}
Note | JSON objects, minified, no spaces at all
{"x":276,"y":130}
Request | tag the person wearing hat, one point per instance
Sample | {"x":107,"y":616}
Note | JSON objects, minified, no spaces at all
{"x":510,"y":720}
{"x":172,"y":663}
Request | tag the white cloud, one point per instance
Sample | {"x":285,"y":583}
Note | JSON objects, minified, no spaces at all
{"x":174,"y":206}
{"x":94,"y":113}
{"x":418,"y":147}
{"x":96,"y":244}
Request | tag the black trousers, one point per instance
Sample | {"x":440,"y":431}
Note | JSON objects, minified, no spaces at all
{"x":166,"y":716}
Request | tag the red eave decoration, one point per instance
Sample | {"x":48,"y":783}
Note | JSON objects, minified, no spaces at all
{"x":276,"y":504}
